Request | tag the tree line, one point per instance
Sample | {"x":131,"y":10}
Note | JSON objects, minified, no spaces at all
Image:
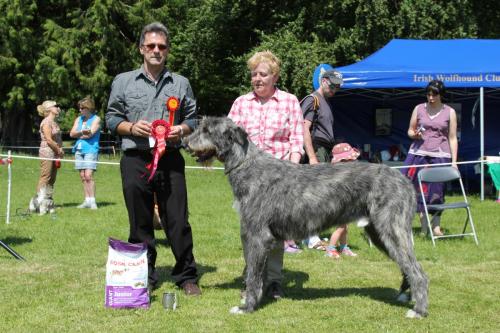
{"x":67,"y":49}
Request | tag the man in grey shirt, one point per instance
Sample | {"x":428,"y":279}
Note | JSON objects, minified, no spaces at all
{"x":137,"y":99}
{"x":318,"y":119}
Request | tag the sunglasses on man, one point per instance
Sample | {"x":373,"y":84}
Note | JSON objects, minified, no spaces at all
{"x":153,"y":46}
{"x":333,"y":86}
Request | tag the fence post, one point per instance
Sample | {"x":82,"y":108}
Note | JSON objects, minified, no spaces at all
{"x":9,"y":184}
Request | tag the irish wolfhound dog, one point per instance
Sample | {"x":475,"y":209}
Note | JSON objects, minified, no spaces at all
{"x":281,"y":200}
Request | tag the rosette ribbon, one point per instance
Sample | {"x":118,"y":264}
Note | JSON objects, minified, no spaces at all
{"x":172,"y":106}
{"x":159,"y":129}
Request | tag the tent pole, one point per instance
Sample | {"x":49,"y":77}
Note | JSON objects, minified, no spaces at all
{"x":481,"y":121}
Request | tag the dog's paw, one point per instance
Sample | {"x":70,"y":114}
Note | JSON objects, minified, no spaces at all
{"x":33,"y":206}
{"x":236,"y":310}
{"x":413,"y":314}
{"x":403,"y":298}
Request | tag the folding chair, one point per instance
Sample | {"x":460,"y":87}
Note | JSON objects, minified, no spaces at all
{"x":444,"y":175}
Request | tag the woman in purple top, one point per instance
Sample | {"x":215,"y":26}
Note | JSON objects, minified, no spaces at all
{"x":433,"y":128}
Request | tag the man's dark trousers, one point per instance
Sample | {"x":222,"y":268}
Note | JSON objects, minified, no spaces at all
{"x":169,"y":184}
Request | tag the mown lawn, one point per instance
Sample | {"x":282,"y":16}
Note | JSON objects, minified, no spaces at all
{"x":60,"y":286}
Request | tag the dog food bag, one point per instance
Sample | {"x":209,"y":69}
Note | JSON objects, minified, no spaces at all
{"x":127,"y":275}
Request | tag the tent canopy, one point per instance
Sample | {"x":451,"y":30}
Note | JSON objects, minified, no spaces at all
{"x":403,"y":66}
{"x":403,"y":63}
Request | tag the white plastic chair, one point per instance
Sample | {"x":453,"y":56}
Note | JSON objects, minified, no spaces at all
{"x":444,"y":175}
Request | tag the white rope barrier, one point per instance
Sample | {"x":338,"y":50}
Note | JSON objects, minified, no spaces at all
{"x":38,"y":147}
{"x":433,"y":165}
{"x":8,"y":159}
{"x":222,"y":168}
{"x":98,"y":162}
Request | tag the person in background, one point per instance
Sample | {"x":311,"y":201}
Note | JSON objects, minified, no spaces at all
{"x":319,"y":140}
{"x":138,"y":98}
{"x":87,"y":130}
{"x":50,"y":149}
{"x":433,"y":129}
{"x":273,"y":121}
{"x":341,"y":152}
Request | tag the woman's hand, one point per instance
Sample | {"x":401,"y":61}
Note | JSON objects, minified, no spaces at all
{"x":416,"y":135}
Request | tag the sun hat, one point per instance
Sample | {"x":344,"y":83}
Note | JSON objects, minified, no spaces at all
{"x":344,"y":152}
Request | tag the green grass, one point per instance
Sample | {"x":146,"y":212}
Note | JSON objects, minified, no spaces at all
{"x":60,"y":287}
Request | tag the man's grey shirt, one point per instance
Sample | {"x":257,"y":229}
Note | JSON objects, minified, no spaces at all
{"x":323,"y":124}
{"x":135,"y":97}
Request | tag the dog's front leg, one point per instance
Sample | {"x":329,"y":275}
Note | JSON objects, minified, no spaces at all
{"x":255,"y":277}
{"x":245,"y":252}
{"x":255,"y":257}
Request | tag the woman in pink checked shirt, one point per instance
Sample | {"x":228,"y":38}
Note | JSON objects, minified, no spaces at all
{"x":273,"y":121}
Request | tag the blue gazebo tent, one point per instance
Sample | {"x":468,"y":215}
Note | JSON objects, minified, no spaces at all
{"x":404,"y":63}
{"x":404,"y":67}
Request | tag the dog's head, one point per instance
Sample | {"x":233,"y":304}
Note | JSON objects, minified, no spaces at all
{"x":215,"y":137}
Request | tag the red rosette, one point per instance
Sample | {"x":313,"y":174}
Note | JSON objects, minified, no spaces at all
{"x":172,"y":106}
{"x":160,"y":130}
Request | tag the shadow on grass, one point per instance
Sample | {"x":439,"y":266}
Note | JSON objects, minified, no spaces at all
{"x":426,"y":237}
{"x":294,"y":289}
{"x":164,"y":274}
{"x":293,"y":279}
{"x":15,"y":240}
{"x":236,"y":283}
{"x":100,"y":204}
{"x":417,"y":231}
{"x":382,"y":294}
{"x":8,"y":242}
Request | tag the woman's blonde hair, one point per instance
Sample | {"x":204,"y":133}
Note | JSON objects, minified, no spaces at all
{"x":44,"y":108}
{"x":266,"y":57}
{"x":87,"y":102}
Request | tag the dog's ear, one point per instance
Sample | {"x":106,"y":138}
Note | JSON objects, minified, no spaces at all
{"x":239,"y":135}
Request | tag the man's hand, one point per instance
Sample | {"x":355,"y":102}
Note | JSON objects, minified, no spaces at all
{"x":175,"y":134}
{"x":141,"y":128}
